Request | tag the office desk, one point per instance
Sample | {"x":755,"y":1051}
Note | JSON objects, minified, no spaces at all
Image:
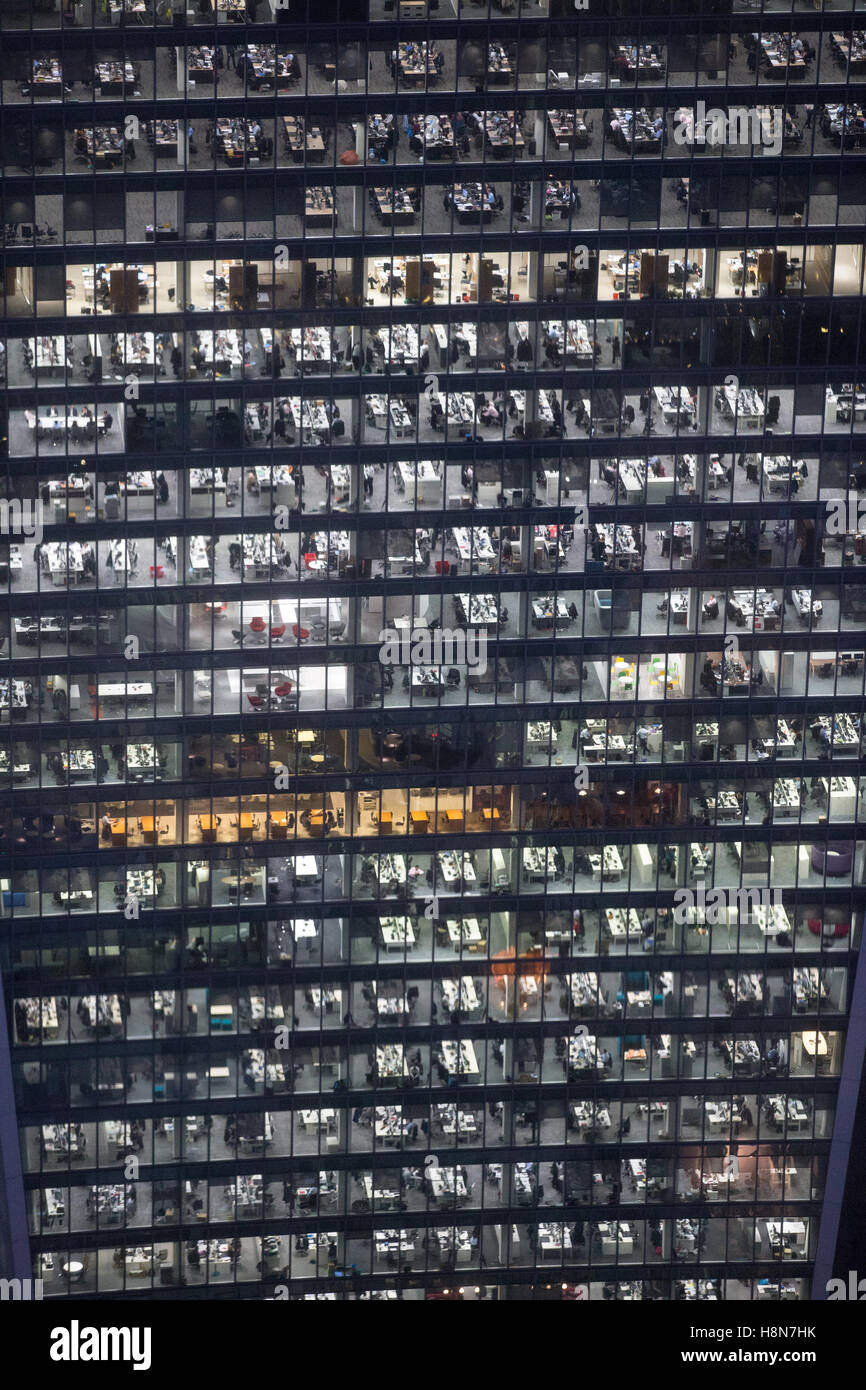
{"x":817,"y":660}
{"x":315,"y":1120}
{"x":471,"y":203}
{"x":446,"y":1186}
{"x":389,"y":1124}
{"x":502,"y":133}
{"x":786,"y":797}
{"x":567,"y":130}
{"x":460,"y":997}
{"x":500,"y":69}
{"x":119,"y":830}
{"x":390,"y":1005}
{"x":396,"y":933}
{"x":104,"y":145}
{"x":303,"y":142}
{"x":234,"y":138}
{"x":583,"y":1054}
{"x":416,"y":63}
{"x":38,"y":1017}
{"x":623,"y":923}
{"x":395,"y":1246}
{"x":583,"y":987}
{"x":610,"y":863}
{"x":590,"y":1115}
{"x":133,"y":690}
{"x":744,"y":406}
{"x":615,"y":1237}
{"x":114,"y":79}
{"x":459,"y":1059}
{"x":788,"y":1111}
{"x":466,"y":932}
{"x":201,"y":71}
{"x":814,"y":1044}
{"x":104,"y":1012}
{"x":391,"y":1062}
{"x":456,"y":868}
{"x":479,"y":610}
{"x":47,"y":78}
{"x":397,"y":206}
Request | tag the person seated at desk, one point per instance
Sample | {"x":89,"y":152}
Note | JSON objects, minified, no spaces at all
{"x":709,"y":680}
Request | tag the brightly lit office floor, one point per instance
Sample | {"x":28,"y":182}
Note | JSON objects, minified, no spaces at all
{"x":19,"y":373}
{"x":80,"y":289}
{"x":744,"y":489}
{"x":431,"y":944}
{"x":789,"y":621}
{"x":229,"y":698}
{"x":445,"y":812}
{"x":454,"y":276}
{"x":508,"y":607}
{"x":133,"y":830}
{"x":23,"y":442}
{"x":287,"y":624}
{"x":73,"y":88}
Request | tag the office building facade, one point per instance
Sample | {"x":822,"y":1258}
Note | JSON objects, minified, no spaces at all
{"x":431,"y":682}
